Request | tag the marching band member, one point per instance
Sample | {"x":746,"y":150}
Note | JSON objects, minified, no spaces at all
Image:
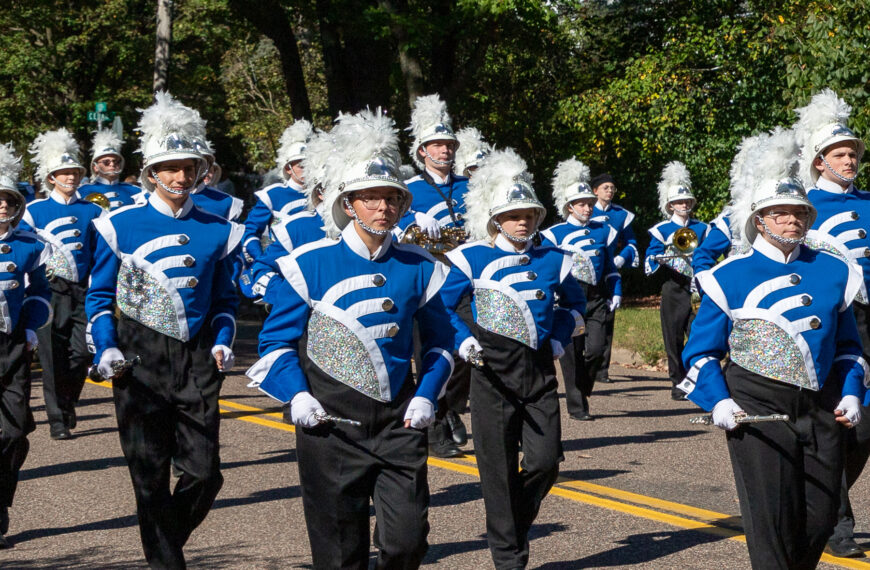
{"x":831,"y":153}
{"x":107,"y":164}
{"x":166,"y":265}
{"x":439,"y":203}
{"x":66,"y":222}
{"x":590,"y":244}
{"x":277,"y":201}
{"x":470,"y":151}
{"x":207,"y":197}
{"x":620,"y":219}
{"x":25,"y":305}
{"x":517,"y":332}
{"x":782,"y":312}
{"x":677,"y":201}
{"x":360,"y":417}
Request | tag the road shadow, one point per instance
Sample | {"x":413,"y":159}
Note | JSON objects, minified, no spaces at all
{"x":658,"y":413}
{"x":639,"y":549}
{"x":269,"y":458}
{"x":108,"y":524}
{"x":582,"y":443}
{"x":72,"y":467}
{"x":456,"y":495}
{"x":264,"y":496}
{"x":437,"y":552}
{"x":107,"y":557}
{"x":589,"y":474}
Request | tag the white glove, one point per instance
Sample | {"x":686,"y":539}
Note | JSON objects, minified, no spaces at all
{"x":32,"y":340}
{"x":723,"y":414}
{"x":619,"y":261}
{"x":229,"y":357}
{"x":304,"y":409}
{"x":614,"y":303}
{"x":558,"y":351}
{"x":428,"y":225}
{"x":421,"y":412}
{"x":851,"y":408}
{"x":109,"y":356}
{"x":466,"y":347}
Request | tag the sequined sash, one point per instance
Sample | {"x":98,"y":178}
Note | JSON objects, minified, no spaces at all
{"x":502,"y":311}
{"x":765,"y":348}
{"x":149,"y":297}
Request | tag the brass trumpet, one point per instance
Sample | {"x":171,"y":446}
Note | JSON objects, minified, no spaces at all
{"x":450,"y":239}
{"x":99,"y":199}
{"x":678,"y":253}
{"x":685,"y":240}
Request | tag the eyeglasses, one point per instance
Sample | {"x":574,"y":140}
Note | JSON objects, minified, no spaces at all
{"x":372,"y":202}
{"x":9,"y":201}
{"x":782,"y":216}
{"x":109,"y":162}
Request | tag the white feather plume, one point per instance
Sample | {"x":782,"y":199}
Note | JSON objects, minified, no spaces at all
{"x":357,"y":139}
{"x":770,"y":156}
{"x":49,"y":147}
{"x":406,"y":172}
{"x":471,"y":144}
{"x":166,"y":116}
{"x":10,"y":163}
{"x":675,"y":173}
{"x":429,"y":110}
{"x":488,"y":186}
{"x":825,"y":108}
{"x":106,"y":138}
{"x":319,"y":150}
{"x":296,"y":134}
{"x":568,"y":174}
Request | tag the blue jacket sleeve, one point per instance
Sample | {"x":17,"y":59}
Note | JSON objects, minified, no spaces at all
{"x":655,"y":248}
{"x":572,"y":306}
{"x":456,"y":286}
{"x":437,"y":337}
{"x":258,"y":220}
{"x":629,"y":252}
{"x":224,"y":301}
{"x":266,"y":267}
{"x":100,"y":299}
{"x":278,"y":373}
{"x":714,"y":246}
{"x":849,"y":363}
{"x":611,"y":274}
{"x":707,"y":346}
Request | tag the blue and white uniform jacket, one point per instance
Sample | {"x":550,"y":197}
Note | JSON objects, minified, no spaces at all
{"x":274,"y":203}
{"x":718,"y":242}
{"x":785,"y":318}
{"x":24,"y":291}
{"x":620,"y":219}
{"x":118,"y":193}
{"x":28,"y":191}
{"x":842,"y":226}
{"x":433,"y":200}
{"x":172,"y":272}
{"x":661,"y":240}
{"x":514,"y":292}
{"x":218,"y":203}
{"x":591,"y":248}
{"x":358,"y":310}
{"x":68,"y":227}
{"x":294,"y":231}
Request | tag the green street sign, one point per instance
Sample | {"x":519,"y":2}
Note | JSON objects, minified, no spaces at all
{"x":100,"y":107}
{"x":95,"y":116}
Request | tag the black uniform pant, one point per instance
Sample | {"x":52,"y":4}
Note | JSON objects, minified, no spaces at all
{"x":16,"y":418}
{"x":676,"y":317}
{"x":603,"y":372}
{"x":343,"y":469}
{"x":857,"y":448}
{"x":167,"y":410}
{"x":63,"y":352}
{"x":582,"y":362}
{"x":787,"y":473}
{"x":514,"y":399}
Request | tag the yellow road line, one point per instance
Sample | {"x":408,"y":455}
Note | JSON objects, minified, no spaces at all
{"x":573,"y":491}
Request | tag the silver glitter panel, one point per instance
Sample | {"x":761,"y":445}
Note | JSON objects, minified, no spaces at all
{"x":142,"y":298}
{"x":764,"y":348}
{"x":498,"y":313}
{"x":679,"y":264}
{"x":582,"y":269}
{"x":58,"y":266}
{"x":822,"y":245}
{"x":336,"y":350}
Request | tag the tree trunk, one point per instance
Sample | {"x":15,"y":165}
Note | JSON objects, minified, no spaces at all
{"x":164,"y":39}
{"x":409,"y":63}
{"x":270,"y":19}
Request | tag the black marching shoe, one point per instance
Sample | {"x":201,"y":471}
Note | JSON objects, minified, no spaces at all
{"x":4,"y":528}
{"x":440,"y":443}
{"x":457,"y":428}
{"x":582,"y":417}
{"x":59,"y":431}
{"x":844,"y":548}
{"x":69,"y":419}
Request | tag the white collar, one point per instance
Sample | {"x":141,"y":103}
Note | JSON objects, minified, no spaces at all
{"x":101,"y":180}
{"x":679,"y":222}
{"x":767,"y":249}
{"x":8,"y":234}
{"x":158,"y":204}
{"x":437,"y":179}
{"x":832,"y":187}
{"x":575,"y":222}
{"x":604,"y":209}
{"x":507,"y":245}
{"x":61,"y":199}
{"x":294,"y":185}
{"x":356,"y":244}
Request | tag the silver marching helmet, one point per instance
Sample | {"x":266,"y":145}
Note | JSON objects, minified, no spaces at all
{"x":106,"y":143}
{"x":10,"y":168}
{"x":429,"y":122}
{"x":821,"y":124}
{"x":53,"y":151}
{"x":293,"y":143}
{"x":675,"y":184}
{"x":169,"y":132}
{"x":570,"y":183}
{"x":471,"y":151}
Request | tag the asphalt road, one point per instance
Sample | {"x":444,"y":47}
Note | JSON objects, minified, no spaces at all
{"x":640,"y":487}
